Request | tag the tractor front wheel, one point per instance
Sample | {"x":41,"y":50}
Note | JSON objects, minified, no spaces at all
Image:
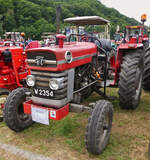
{"x":130,"y":80}
{"x":14,"y":116}
{"x":99,"y":127}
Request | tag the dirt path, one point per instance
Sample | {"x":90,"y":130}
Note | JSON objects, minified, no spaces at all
{"x":10,"y":150}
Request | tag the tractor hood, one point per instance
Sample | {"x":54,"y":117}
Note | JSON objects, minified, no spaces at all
{"x":58,"y":59}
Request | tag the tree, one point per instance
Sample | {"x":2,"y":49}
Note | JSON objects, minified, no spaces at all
{"x":37,"y":16}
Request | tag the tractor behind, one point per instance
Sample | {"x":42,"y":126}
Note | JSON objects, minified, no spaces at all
{"x":13,"y":69}
{"x":136,"y":41}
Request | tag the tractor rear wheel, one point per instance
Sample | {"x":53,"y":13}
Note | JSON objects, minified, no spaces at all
{"x":131,"y":77}
{"x":146,"y":78}
{"x":14,"y":116}
{"x":99,"y":127}
{"x":3,"y":95}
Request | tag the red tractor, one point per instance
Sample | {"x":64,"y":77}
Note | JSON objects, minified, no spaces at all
{"x":66,"y":73}
{"x":136,"y":39}
{"x":13,"y":69}
{"x":134,"y":45}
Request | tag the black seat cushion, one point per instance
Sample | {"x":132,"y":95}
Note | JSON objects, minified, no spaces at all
{"x":104,"y":43}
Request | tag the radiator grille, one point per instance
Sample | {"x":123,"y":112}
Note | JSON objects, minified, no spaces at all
{"x":42,"y":82}
{"x":45,"y":59}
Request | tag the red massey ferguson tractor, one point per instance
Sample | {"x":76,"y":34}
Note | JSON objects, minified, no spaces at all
{"x":64,"y":74}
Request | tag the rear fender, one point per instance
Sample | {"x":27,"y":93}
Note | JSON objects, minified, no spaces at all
{"x":118,"y":64}
{"x":119,"y":59}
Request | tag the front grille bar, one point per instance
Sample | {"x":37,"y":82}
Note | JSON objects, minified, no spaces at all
{"x":34,"y":61}
{"x":46,"y":84}
{"x":63,"y":74}
{"x":47,"y":79}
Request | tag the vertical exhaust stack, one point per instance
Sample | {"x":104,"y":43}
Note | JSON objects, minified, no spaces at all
{"x":60,"y":40}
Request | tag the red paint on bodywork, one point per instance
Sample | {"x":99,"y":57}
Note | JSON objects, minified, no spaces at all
{"x":11,"y":73}
{"x":77,"y":49}
{"x":60,"y":113}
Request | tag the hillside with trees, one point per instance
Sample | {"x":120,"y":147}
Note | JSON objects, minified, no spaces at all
{"x":36,"y":16}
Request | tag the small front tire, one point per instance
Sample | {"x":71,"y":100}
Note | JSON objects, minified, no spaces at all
{"x":14,"y":116}
{"x":99,"y":127}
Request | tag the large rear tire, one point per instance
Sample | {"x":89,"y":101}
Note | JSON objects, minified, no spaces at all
{"x":130,"y":80}
{"x":99,"y":127}
{"x":14,"y":116}
{"x":146,"y":78}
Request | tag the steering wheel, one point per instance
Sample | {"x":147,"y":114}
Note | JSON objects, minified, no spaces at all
{"x":84,"y":38}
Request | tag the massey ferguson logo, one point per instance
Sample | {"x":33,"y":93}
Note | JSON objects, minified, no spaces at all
{"x":68,"y":57}
{"x":39,"y":60}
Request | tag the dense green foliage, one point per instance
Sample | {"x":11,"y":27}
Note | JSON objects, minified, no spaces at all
{"x":36,"y":16}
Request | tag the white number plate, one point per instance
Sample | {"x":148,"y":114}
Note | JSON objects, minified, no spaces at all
{"x":40,"y":115}
{"x":43,"y":92}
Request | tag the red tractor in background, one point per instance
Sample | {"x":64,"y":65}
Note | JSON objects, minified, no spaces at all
{"x":136,"y":39}
{"x":13,"y":69}
{"x":134,"y":45}
{"x":13,"y":39}
{"x":65,"y":74}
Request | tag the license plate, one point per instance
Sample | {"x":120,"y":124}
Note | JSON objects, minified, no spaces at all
{"x":44,"y":92}
{"x":40,"y":115}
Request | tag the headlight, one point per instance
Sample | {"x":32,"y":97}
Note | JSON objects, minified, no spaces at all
{"x":56,"y":84}
{"x":30,"y":80}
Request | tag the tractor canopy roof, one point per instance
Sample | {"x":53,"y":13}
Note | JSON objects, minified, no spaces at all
{"x":134,"y":27}
{"x":87,"y":20}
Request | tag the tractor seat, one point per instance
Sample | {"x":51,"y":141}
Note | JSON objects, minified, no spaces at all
{"x":104,"y":43}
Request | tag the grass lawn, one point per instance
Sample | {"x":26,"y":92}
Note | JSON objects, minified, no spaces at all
{"x":64,"y":140}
